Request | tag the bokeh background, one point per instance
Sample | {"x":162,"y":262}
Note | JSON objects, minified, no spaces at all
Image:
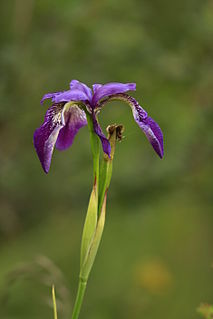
{"x":155,"y":260}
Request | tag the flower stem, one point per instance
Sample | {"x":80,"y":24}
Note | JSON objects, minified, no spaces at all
{"x":114,"y":133}
{"x":95,"y":146}
{"x":79,"y":298}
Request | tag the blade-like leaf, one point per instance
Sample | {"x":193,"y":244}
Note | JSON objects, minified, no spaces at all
{"x":54,"y":303}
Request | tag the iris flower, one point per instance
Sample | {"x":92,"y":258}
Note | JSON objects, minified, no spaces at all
{"x":67,"y":115}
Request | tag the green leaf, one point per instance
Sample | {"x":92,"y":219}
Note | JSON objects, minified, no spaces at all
{"x":95,"y":146}
{"x":54,"y":302}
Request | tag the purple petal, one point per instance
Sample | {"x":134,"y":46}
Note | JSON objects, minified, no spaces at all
{"x":49,"y":96}
{"x":66,"y":96}
{"x":154,"y":134}
{"x":111,"y":88}
{"x":75,"y":118}
{"x":104,"y":141}
{"x":96,"y":86}
{"x":148,"y":125}
{"x":70,"y":95}
{"x":76,"y":85}
{"x":46,"y":135}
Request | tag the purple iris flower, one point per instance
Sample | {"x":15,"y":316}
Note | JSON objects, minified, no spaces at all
{"x":66,"y":116}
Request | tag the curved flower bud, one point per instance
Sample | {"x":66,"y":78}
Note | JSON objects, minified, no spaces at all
{"x":89,"y":259}
{"x":102,"y":91}
{"x":61,"y":123}
{"x":146,"y":123}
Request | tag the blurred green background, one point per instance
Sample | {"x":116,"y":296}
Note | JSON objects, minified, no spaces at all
{"x":156,"y":254}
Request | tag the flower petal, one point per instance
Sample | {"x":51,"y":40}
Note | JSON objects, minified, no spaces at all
{"x":148,"y":126}
{"x":66,"y":96}
{"x":111,"y":88}
{"x":75,"y":118}
{"x":46,"y":135}
{"x":49,"y":96}
{"x":76,"y":85}
{"x":153,"y":133}
{"x":96,"y":86}
{"x":104,"y":141}
{"x":70,"y":95}
{"x":146,"y":123}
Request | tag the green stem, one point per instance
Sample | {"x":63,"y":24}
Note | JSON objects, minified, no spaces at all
{"x":105,"y":177}
{"x":79,"y":298}
{"x":106,"y":164}
{"x":95,"y":146}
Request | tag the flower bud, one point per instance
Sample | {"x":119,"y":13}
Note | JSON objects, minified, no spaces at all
{"x":89,"y":225}
{"x":92,"y":251}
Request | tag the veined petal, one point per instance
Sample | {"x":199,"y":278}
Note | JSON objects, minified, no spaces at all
{"x":70,"y":95}
{"x":104,"y":141}
{"x":147,"y":124}
{"x":66,"y":96}
{"x":75,"y":118}
{"x":153,"y":133}
{"x":76,"y":85}
{"x":96,"y":86}
{"x":111,"y":88}
{"x":46,"y":135}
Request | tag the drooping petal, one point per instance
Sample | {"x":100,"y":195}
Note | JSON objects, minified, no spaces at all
{"x":66,"y":96}
{"x":147,"y":124}
{"x":75,"y":118}
{"x":76,"y":85}
{"x":111,"y":88}
{"x":46,"y":135}
{"x":153,"y":133}
{"x":104,"y":141}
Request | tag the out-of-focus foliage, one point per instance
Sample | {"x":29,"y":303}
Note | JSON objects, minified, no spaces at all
{"x":156,"y":253}
{"x":206,"y":311}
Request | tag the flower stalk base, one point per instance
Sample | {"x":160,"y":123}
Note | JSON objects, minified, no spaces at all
{"x":79,"y":298}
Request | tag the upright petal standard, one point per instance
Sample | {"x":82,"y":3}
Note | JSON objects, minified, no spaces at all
{"x":69,"y":111}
